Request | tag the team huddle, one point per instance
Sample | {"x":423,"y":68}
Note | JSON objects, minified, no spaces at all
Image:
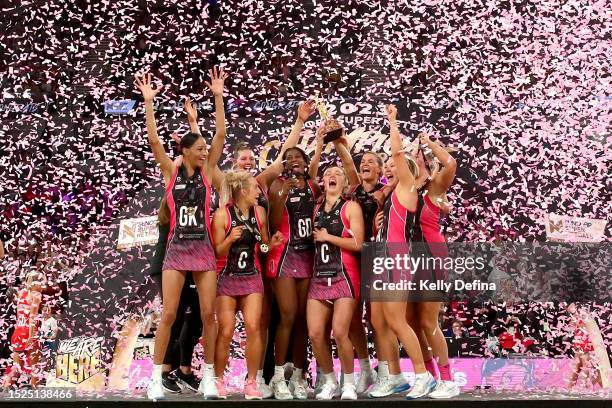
{"x":280,"y":236}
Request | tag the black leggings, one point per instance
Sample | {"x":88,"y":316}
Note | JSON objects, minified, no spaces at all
{"x":187,"y":327}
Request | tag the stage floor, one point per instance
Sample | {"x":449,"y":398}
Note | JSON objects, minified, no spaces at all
{"x":469,"y":399}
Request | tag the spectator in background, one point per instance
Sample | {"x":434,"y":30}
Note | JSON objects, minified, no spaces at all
{"x":456,"y":330}
{"x":455,"y":338}
{"x":48,"y":337}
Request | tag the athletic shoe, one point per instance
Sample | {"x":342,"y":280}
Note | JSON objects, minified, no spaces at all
{"x":280,"y":389}
{"x":299,"y":389}
{"x":251,"y":390}
{"x":366,"y":379}
{"x":266,"y":391}
{"x":422,"y":386}
{"x":169,"y":383}
{"x":208,"y":387}
{"x":349,"y":392}
{"x":189,"y":381}
{"x":155,"y":390}
{"x":445,"y":389}
{"x":319,"y":381}
{"x":329,"y":390}
{"x":400,"y":383}
{"x":383,"y":387}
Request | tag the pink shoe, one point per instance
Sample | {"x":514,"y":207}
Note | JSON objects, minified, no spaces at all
{"x":251,"y":390}
{"x":221,"y":388}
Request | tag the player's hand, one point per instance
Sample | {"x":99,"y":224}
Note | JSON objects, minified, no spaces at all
{"x":276,"y":240}
{"x":391,"y":112}
{"x":191,"y":111}
{"x":235,"y":234}
{"x":143,"y":83}
{"x":378,"y":220}
{"x":217,"y":80}
{"x":306,"y":110}
{"x":320,"y":235}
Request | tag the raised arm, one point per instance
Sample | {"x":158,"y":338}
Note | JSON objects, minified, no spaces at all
{"x":406,"y":179}
{"x":143,"y":83}
{"x":218,"y":77}
{"x":347,"y":161}
{"x":316,"y":158}
{"x":192,"y":116}
{"x":305,"y":110}
{"x":443,"y":179}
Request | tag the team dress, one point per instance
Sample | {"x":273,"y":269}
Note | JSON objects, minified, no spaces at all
{"x":189,"y":241}
{"x":336,"y":270}
{"x":427,"y":236}
{"x":240,"y":271}
{"x":394,"y":236}
{"x":21,"y":334}
{"x":369,"y":207}
{"x":294,"y":257}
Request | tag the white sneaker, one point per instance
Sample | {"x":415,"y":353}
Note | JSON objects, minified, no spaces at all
{"x":299,"y":389}
{"x":280,"y":389}
{"x":445,"y":389}
{"x":155,"y":390}
{"x":208,"y":387}
{"x":329,"y":390}
{"x":383,"y":387}
{"x":266,"y":391}
{"x":400,"y":383}
{"x":422,"y":386}
{"x":349,"y":392}
{"x":366,"y":379}
{"x":319,"y":381}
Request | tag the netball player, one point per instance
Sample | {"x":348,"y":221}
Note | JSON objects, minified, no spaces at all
{"x":433,"y":181}
{"x":334,"y":289}
{"x":585,"y":361}
{"x":244,"y":159}
{"x":24,"y":341}
{"x":188,"y":191}
{"x":240,"y":232}
{"x":399,"y":212}
{"x":390,"y":379}
{"x":187,"y":327}
{"x":368,"y":193}
{"x":292,"y":201}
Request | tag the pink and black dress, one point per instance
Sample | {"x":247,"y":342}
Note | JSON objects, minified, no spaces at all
{"x":395,"y":235}
{"x":240,"y":271}
{"x":336,"y":270}
{"x":427,"y":238}
{"x":294,"y":257}
{"x":369,"y":207}
{"x":21,"y":334}
{"x":189,"y":241}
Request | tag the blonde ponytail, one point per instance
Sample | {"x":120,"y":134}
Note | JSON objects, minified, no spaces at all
{"x":233,"y":182}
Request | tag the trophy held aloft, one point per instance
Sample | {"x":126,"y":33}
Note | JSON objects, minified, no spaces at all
{"x":332,"y":129}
